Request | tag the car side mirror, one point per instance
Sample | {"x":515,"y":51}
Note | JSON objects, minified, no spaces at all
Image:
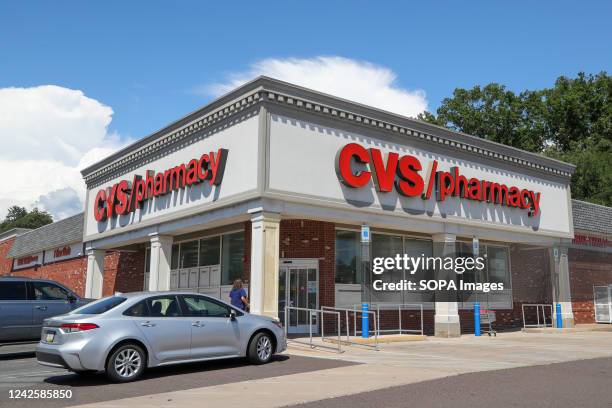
{"x":232,"y":315}
{"x":72,"y":298}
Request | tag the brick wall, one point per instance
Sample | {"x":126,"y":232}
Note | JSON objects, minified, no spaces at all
{"x":587,"y":268}
{"x":531,"y":283}
{"x":70,"y":273}
{"x":312,"y":239}
{"x":6,"y":263}
{"x":123,"y":272}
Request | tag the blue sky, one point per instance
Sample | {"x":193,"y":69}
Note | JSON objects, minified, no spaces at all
{"x":152,"y":62}
{"x":143,"y":58}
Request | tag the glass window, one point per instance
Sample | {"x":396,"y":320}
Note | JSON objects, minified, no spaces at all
{"x":189,"y":254}
{"x":387,"y":246}
{"x":12,"y":291}
{"x":466,"y":250}
{"x":497,"y":265}
{"x":174,"y":262}
{"x":199,"y":306}
{"x":163,"y":306}
{"x":100,"y":306}
{"x":210,"y":250}
{"x":348,"y":257}
{"x":417,"y":248}
{"x":49,"y":291}
{"x":232,"y":261}
{"x":138,"y":310}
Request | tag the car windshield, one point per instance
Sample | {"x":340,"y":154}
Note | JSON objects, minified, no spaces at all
{"x":100,"y":306}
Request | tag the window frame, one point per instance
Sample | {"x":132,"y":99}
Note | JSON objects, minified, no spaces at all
{"x":146,"y":305}
{"x":221,"y":255}
{"x":32,"y":285}
{"x":205,"y":236}
{"x":484,"y":250}
{"x":357,"y":272}
{"x":230,"y":308}
{"x":27,"y":295}
{"x":151,"y":298}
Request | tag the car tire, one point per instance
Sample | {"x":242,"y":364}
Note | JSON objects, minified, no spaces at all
{"x":261,"y":348}
{"x":126,"y":363}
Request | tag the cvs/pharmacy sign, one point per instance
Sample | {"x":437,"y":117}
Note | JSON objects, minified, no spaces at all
{"x":356,"y":166}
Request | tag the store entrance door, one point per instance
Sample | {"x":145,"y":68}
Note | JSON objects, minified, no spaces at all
{"x":298,"y":286}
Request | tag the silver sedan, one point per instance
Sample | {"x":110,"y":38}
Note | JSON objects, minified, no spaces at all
{"x":124,"y":334}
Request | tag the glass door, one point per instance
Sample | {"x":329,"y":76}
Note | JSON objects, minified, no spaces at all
{"x":298,"y":287}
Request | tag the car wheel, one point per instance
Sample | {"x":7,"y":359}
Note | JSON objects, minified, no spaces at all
{"x":261,"y":349}
{"x":126,"y":363}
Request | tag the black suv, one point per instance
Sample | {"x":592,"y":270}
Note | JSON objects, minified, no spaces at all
{"x":25,"y":303}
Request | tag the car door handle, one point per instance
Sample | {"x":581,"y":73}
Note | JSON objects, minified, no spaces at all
{"x":147,"y":324}
{"x":41,"y":307}
{"x":198,"y":324}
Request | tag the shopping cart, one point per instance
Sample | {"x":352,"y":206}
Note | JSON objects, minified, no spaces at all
{"x":487,"y":318}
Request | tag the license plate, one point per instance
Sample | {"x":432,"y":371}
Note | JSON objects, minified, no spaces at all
{"x":49,"y":336}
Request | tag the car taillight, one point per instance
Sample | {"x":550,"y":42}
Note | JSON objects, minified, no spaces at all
{"x":77,"y":327}
{"x":278,"y":323}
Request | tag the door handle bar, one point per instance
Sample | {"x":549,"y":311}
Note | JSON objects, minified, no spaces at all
{"x":147,"y":324}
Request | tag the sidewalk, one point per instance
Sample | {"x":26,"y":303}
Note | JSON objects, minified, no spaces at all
{"x":395,"y":364}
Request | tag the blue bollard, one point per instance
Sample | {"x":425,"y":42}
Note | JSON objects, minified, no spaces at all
{"x":365,"y":321}
{"x":559,"y":318}
{"x":477,"y":319}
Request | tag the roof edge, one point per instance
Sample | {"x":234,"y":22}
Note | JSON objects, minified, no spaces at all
{"x":264,"y":83}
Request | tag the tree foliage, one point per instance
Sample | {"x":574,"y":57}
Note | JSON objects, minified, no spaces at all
{"x":572,"y":121}
{"x":19,"y":217}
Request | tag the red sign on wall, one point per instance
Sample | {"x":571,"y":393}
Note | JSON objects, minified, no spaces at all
{"x":404,"y":174}
{"x":125,"y":197}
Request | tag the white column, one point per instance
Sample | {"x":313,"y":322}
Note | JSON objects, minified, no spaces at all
{"x":265,"y":245}
{"x":95,"y":273}
{"x":561,"y":287}
{"x":446,"y":319}
{"x":161,"y":253}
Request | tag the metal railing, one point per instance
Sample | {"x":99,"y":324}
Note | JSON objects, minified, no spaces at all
{"x":392,"y":306}
{"x":310,"y":324}
{"x":542,"y":307}
{"x":400,"y":307}
{"x":347,"y":324}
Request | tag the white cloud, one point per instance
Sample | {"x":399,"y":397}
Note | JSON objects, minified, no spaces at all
{"x":48,"y":133}
{"x":358,"y":81}
{"x":61,"y":203}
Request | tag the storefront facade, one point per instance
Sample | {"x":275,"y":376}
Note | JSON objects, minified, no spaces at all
{"x":272,"y":183}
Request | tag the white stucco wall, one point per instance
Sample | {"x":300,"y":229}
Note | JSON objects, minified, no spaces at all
{"x":240,"y":176}
{"x":302,"y":164}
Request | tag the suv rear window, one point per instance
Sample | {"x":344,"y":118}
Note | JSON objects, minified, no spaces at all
{"x":13,"y":291}
{"x":100,"y":306}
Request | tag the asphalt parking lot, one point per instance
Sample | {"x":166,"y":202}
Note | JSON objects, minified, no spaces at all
{"x":19,"y":370}
{"x":583,"y":383}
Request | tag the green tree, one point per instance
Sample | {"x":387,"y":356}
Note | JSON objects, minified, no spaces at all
{"x":19,"y":217}
{"x":15,"y":212}
{"x":572,"y":121}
